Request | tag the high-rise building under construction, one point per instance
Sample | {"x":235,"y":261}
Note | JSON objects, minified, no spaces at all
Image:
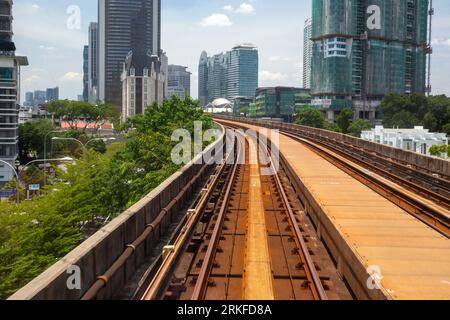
{"x":364,"y":49}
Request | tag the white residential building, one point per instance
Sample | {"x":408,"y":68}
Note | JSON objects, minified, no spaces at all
{"x":418,"y":140}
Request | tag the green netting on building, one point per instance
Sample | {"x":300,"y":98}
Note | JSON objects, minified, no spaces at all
{"x":357,"y":60}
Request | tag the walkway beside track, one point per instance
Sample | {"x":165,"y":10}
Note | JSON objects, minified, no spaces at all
{"x":413,"y":259}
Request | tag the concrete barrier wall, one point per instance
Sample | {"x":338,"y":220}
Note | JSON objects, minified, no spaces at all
{"x":99,"y":252}
{"x":432,"y":164}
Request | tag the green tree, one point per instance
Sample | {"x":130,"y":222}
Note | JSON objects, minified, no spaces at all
{"x":436,"y":151}
{"x":35,"y":234}
{"x":32,"y":138}
{"x":392,"y":104}
{"x":446,"y":129}
{"x":344,"y":120}
{"x":79,"y":115}
{"x":311,"y":117}
{"x":358,"y":126}
{"x":407,"y":111}
{"x":404,"y":120}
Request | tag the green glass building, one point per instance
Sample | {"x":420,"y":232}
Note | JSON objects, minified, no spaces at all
{"x":277,"y":102}
{"x":365,"y":49}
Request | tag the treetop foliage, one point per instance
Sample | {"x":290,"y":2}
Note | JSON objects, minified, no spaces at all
{"x":407,"y":111}
{"x":92,"y":190}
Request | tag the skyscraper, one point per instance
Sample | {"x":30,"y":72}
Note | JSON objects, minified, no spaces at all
{"x":218,"y":66}
{"x":243,"y":72}
{"x":29,"y":99}
{"x":179,"y":81}
{"x":203,"y":79}
{"x":93,"y":63}
{"x":40,"y":96}
{"x":86,"y":73}
{"x":9,"y":93}
{"x":228,"y":75}
{"x":365,"y":49}
{"x":125,"y":26}
{"x":52,"y":94}
{"x":307,"y":53}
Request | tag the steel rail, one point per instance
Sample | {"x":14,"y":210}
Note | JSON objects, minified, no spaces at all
{"x":312,"y":275}
{"x":201,"y":286}
{"x":160,"y":279}
{"x":311,"y":272}
{"x":425,"y":179}
{"x":130,"y":249}
{"x":433,"y":217}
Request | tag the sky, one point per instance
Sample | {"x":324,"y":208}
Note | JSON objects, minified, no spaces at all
{"x":51,"y":35}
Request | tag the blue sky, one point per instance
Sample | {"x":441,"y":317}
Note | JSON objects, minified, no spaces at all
{"x":189,"y":26}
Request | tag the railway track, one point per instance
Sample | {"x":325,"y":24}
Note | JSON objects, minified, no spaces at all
{"x":429,"y":186}
{"x":426,"y":205}
{"x":253,"y":242}
{"x":423,"y":195}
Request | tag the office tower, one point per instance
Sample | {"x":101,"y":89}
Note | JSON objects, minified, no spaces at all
{"x":40,"y":97}
{"x":52,"y":94}
{"x":179,"y":82}
{"x":164,"y":72}
{"x":9,"y":93}
{"x":86,"y":73}
{"x":229,"y":75}
{"x":29,"y":99}
{"x":307,"y":53}
{"x":243,"y":72}
{"x":93,"y":63}
{"x":365,"y":49}
{"x":126,"y":26}
{"x":203,"y":79}
{"x":218,"y":67}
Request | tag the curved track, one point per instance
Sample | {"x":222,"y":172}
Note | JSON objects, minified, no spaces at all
{"x":249,"y":243}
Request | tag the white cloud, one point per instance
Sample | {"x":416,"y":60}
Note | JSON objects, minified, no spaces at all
{"x":48,"y":48}
{"x":31,"y":80}
{"x":228,"y":8}
{"x":216,"y":20}
{"x":35,"y":6}
{"x":272,"y":76}
{"x":445,"y":42}
{"x":275,"y":58}
{"x":246,"y":8}
{"x":72,"y":76}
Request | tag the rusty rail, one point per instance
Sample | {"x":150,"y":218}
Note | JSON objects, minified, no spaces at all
{"x":310,"y":269}
{"x":170,"y":258}
{"x":202,"y":281}
{"x":318,"y":291}
{"x":436,"y":217}
{"x":103,"y":280}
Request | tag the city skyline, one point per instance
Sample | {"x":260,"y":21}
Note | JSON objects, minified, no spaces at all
{"x":56,"y":61}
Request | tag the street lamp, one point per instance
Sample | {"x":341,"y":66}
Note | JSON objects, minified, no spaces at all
{"x":100,"y":139}
{"x":65,"y":159}
{"x":45,"y":151}
{"x":68,"y":139}
{"x":84,"y":145}
{"x":17,"y":177}
{"x":17,"y":174}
